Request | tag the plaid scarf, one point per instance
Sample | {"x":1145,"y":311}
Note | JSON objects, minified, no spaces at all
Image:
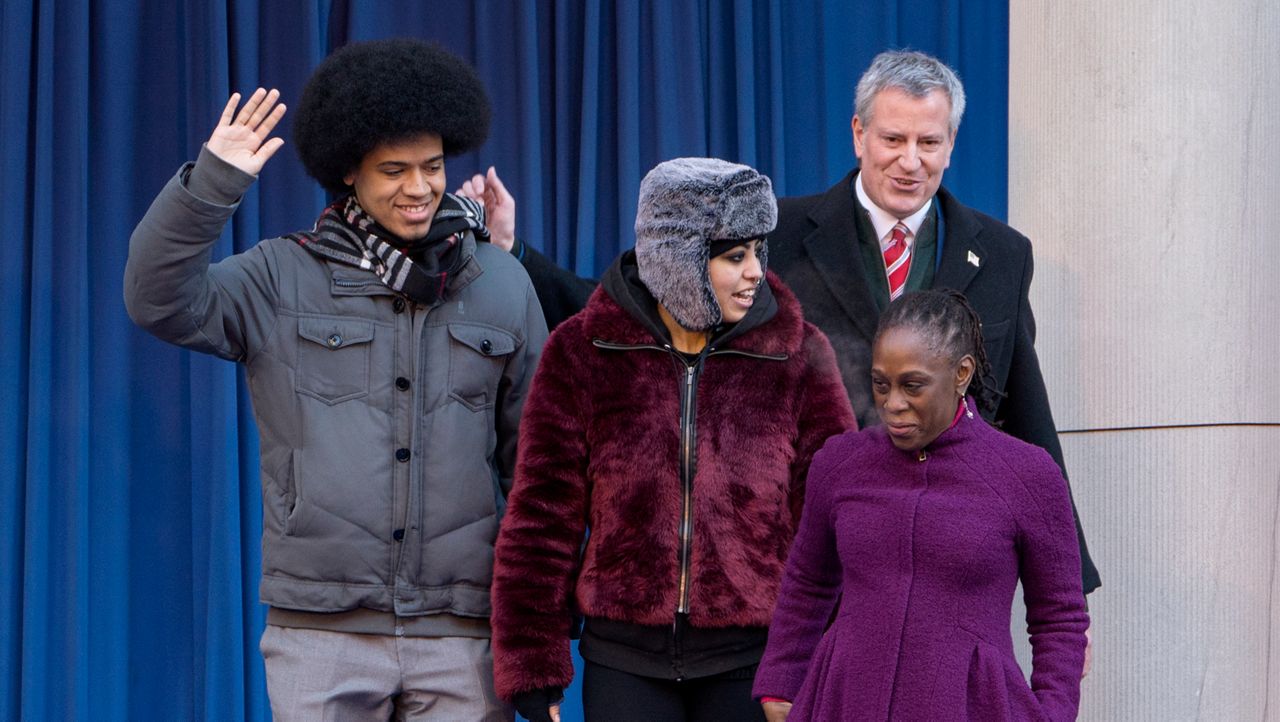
{"x":420,"y":269}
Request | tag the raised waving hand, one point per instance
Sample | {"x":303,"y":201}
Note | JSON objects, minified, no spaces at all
{"x":243,"y":139}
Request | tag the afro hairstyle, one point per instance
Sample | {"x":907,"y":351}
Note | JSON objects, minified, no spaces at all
{"x":385,"y":91}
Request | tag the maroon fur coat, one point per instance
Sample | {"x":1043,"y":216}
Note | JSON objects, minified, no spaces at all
{"x":599,"y":451}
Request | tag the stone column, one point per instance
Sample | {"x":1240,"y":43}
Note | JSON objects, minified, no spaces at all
{"x":1144,"y":164}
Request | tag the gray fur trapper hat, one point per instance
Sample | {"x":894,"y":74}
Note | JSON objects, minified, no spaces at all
{"x":686,"y":205}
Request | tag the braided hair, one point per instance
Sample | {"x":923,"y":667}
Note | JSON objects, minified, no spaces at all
{"x":952,"y":328}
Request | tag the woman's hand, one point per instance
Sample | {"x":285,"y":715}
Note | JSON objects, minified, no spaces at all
{"x":1088,"y":650}
{"x":535,"y":705}
{"x":776,"y":711}
{"x":242,"y":139}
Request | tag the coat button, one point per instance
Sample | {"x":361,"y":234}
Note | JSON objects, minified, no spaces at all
{"x":486,"y":346}
{"x":398,"y":535}
{"x":334,"y":340}
{"x":402,"y":383}
{"x":402,"y":454}
{"x":398,"y":305}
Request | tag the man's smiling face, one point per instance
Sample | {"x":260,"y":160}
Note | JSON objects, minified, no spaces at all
{"x":903,"y":148}
{"x":400,"y":184}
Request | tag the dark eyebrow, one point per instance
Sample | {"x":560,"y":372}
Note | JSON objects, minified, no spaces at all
{"x":403,"y":164}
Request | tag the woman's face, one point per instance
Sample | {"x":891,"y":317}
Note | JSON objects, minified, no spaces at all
{"x":735,"y":275}
{"x":916,"y":388}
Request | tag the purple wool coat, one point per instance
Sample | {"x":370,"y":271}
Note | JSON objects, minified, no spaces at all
{"x":922,"y":551}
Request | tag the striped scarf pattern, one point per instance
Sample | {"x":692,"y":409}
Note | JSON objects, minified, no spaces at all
{"x":419,"y":270}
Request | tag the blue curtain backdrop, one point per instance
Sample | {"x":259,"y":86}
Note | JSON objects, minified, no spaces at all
{"x":129,"y":494}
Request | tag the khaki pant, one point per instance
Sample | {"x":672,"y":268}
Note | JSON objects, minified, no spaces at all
{"x":315,"y":675}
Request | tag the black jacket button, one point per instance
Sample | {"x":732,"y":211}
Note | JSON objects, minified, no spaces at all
{"x":402,"y":454}
{"x":402,"y":383}
{"x":398,"y":535}
{"x":486,"y":346}
{"x":398,"y":305}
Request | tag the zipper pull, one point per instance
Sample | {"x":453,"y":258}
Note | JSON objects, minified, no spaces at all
{"x":922,"y":456}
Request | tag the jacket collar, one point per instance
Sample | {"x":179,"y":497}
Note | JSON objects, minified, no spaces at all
{"x":963,"y":252}
{"x":350,"y":281}
{"x":836,"y":259}
{"x":470,"y":269}
{"x":621,"y":311}
{"x":840,"y":266}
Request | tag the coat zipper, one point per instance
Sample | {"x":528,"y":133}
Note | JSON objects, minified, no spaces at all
{"x":749,"y":354}
{"x":688,"y":443}
{"x":351,"y":283}
{"x":687,"y":429}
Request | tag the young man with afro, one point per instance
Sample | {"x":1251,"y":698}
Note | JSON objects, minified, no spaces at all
{"x":388,"y":354}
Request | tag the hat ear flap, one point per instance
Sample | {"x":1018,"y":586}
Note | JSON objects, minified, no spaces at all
{"x":712,"y":314}
{"x":673,"y":266}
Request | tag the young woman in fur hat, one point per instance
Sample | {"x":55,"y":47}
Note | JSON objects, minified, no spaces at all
{"x":663,"y":452}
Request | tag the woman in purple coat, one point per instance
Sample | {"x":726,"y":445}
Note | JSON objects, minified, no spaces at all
{"x":919,"y":530}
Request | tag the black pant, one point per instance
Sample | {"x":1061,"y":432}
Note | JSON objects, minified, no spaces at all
{"x":612,"y":696}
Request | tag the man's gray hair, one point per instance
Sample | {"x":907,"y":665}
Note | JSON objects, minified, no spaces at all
{"x":913,"y":72}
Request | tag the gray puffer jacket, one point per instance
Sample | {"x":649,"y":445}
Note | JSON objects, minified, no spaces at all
{"x":388,"y":431}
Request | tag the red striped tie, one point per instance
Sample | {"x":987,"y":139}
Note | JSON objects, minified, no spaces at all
{"x":897,"y":261}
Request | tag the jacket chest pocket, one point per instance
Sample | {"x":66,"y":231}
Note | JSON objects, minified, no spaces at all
{"x":477,"y":356}
{"x":333,"y":358}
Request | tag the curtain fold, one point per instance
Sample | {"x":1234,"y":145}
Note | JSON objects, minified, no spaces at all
{"x":130,"y":504}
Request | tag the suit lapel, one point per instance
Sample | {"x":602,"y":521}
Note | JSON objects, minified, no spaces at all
{"x":963,"y":254}
{"x":833,"y":247}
